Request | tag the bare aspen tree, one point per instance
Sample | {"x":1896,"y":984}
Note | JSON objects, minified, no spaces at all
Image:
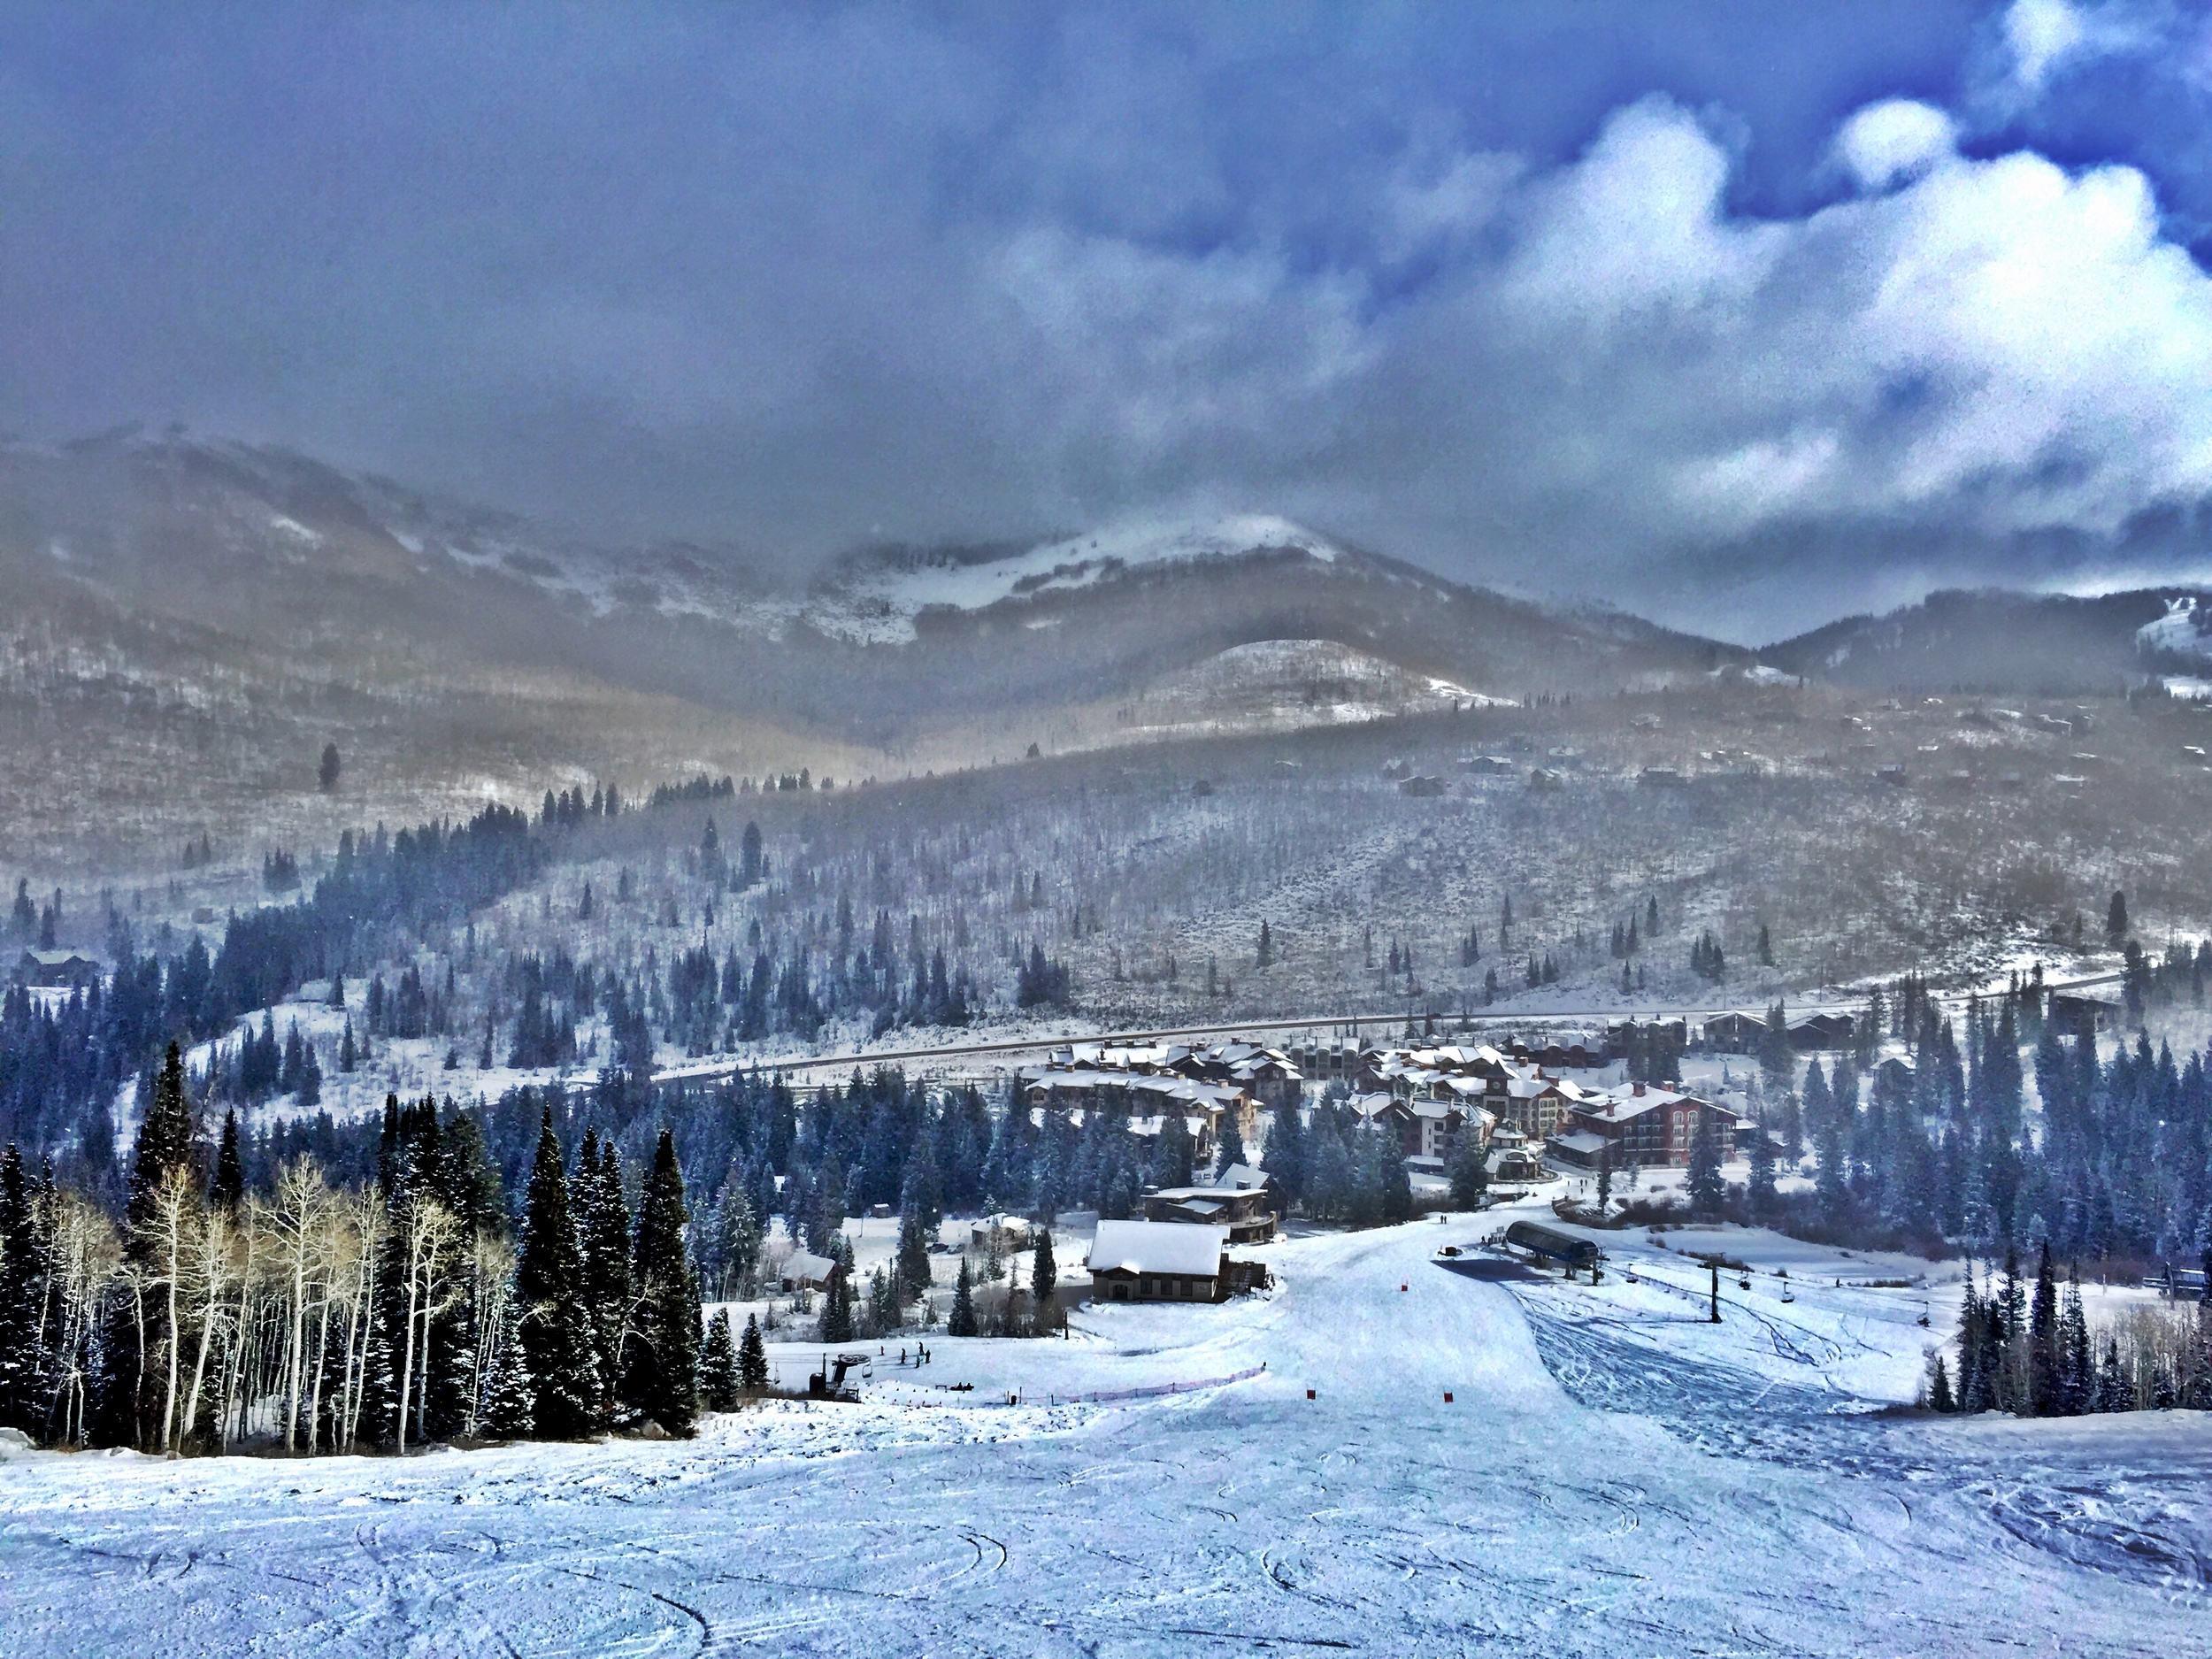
{"x":168,"y":1219}
{"x":429,"y":1231}
{"x":86,"y":1255}
{"x":491,"y":1263}
{"x":213,"y":1259}
{"x":301,"y":1197}
{"x":336,"y":1264}
{"x":252,"y":1227}
{"x":370,"y":1221}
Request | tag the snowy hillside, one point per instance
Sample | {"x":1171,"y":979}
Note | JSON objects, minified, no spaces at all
{"x":1433,"y":1462}
{"x":2186,"y":630}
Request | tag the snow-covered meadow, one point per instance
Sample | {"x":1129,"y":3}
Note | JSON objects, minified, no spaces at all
{"x":1611,"y":1475}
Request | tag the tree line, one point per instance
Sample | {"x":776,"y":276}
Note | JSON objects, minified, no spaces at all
{"x":2033,"y":1351}
{"x":403,"y":1309}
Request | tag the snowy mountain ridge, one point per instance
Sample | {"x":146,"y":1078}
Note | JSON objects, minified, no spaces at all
{"x":876,"y":602}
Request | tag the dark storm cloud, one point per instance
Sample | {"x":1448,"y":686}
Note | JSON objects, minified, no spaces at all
{"x":1599,"y":294}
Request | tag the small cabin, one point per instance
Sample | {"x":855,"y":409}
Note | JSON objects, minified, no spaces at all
{"x":1246,"y":1213}
{"x":56,"y":968}
{"x":802,"y":1270}
{"x":1166,"y":1261}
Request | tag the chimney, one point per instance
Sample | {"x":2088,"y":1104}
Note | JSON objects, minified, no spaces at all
{"x":1638,"y":1091}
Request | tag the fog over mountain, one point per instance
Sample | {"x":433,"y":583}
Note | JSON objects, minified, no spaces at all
{"x":1742,"y":319}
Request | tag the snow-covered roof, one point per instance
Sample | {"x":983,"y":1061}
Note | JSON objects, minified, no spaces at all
{"x":1632,"y":1100}
{"x":804,"y":1265}
{"x":1157,"y":1247}
{"x":1241,"y":1177}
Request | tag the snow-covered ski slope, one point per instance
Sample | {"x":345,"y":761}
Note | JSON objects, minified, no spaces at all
{"x":1621,"y":1515}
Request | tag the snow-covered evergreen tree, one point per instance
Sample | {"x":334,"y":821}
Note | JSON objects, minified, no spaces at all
{"x":752,"y":1358}
{"x":961,"y":1321}
{"x":660,"y":1376}
{"x":559,"y":1343}
{"x":506,"y":1410}
{"x":717,"y":1364}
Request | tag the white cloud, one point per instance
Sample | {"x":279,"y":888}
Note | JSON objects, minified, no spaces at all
{"x":1612,"y":365}
{"x":1896,"y":139}
{"x":1463,"y":197}
{"x":2042,"y":41}
{"x":1998,"y":346}
{"x":1638,"y":225}
{"x":2042,"y":35}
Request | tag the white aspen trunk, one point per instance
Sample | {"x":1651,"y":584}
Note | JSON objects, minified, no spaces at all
{"x":365,"y":1319}
{"x":209,"y":1309}
{"x":138,"y":1392}
{"x":342,"y":1429}
{"x":176,"y":1269}
{"x":235,"y":1370}
{"x":294,"y":1339}
{"x":407,"y":1365}
{"x":422,"y":1379}
{"x":322,"y":1361}
{"x":478,"y":1357}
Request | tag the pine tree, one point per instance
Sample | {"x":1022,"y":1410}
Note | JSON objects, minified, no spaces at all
{"x":230,"y":1174}
{"x":1940,"y":1387}
{"x":1762,"y":1187}
{"x":1829,"y":1186}
{"x":837,"y":1306}
{"x":1706,"y":1190}
{"x":559,"y":1345}
{"x":1471,"y":1169}
{"x":1973,"y":1395}
{"x":963,"y":1320}
{"x":2045,"y":1358}
{"x":2116,"y":918}
{"x":920,"y":1214}
{"x":717,"y":1364}
{"x":661,"y":1374}
{"x":737,"y":1234}
{"x":128,"y":1394}
{"x":164,"y":1138}
{"x":1286,"y":1152}
{"x":603,"y":1230}
{"x":1044,"y":1277}
{"x":2078,"y":1375}
{"x":506,"y":1410}
{"x":23,"y":1276}
{"x":2115,"y":1392}
{"x":1229,"y":1145}
{"x":752,"y":1358}
{"x":1395,"y":1186}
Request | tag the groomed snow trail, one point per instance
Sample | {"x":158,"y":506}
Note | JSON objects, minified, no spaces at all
{"x":1373,"y":1518}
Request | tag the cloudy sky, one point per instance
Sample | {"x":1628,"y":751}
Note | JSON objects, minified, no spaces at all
{"x":1741,"y":314}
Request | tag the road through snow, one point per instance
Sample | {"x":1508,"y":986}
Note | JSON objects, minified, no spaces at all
{"x":1522,"y":1517}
